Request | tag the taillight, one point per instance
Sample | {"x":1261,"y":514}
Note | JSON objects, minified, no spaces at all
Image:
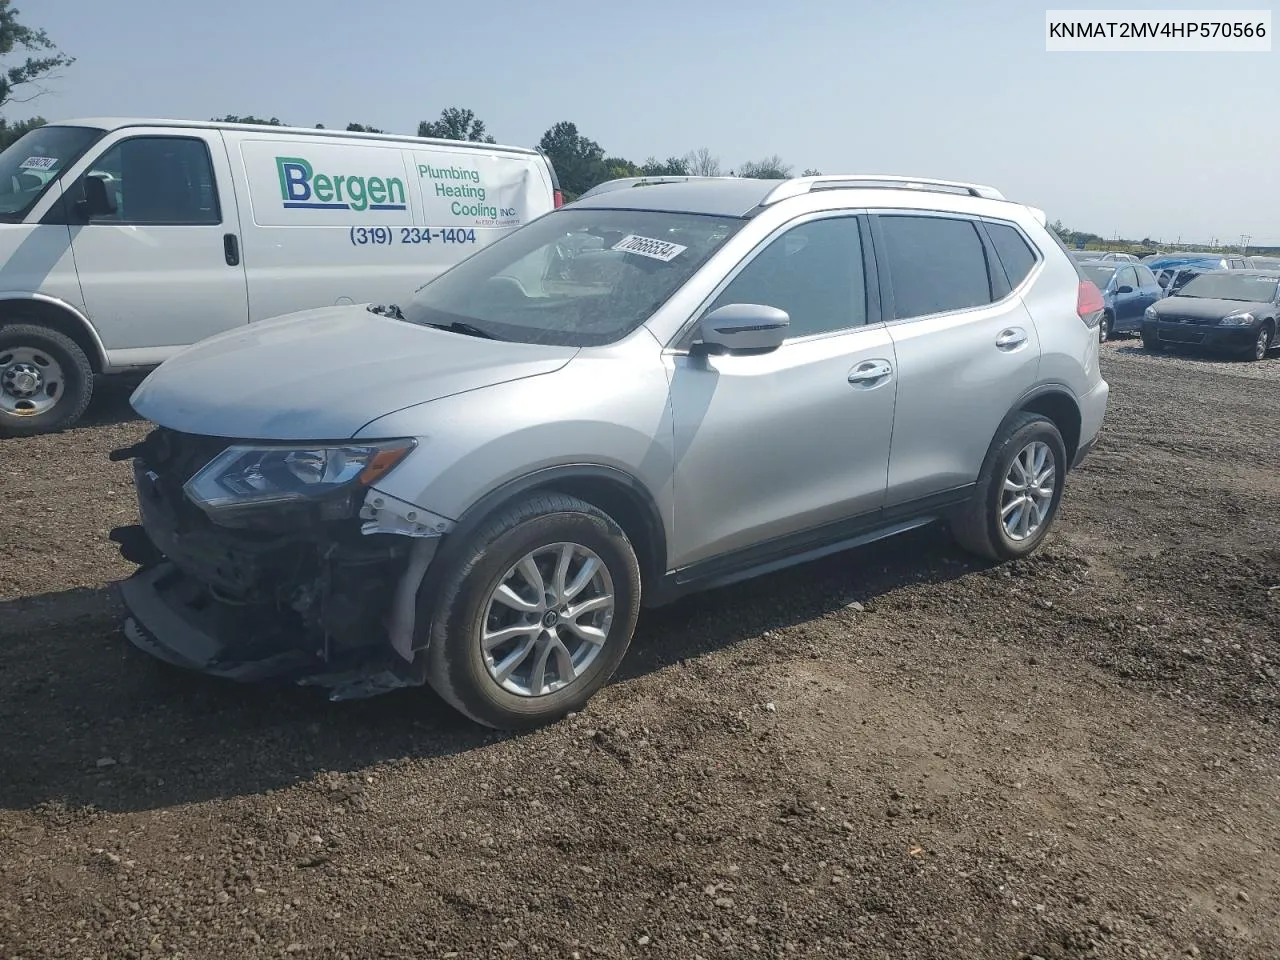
{"x":559,"y":197}
{"x":1089,"y":303}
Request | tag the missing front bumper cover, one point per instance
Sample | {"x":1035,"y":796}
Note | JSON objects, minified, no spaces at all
{"x":175,"y":619}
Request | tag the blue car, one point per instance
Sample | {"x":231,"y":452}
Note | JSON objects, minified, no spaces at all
{"x":1127,"y":290}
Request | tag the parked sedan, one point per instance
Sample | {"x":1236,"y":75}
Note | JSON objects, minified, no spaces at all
{"x":1231,"y":310}
{"x":1127,"y":290}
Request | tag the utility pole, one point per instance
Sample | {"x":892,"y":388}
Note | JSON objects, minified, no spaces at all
{"x":1244,"y":244}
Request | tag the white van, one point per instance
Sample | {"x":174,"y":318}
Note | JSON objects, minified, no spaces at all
{"x":122,"y":241}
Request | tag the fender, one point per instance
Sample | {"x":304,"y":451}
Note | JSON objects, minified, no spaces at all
{"x":97,"y":351}
{"x":563,"y":476}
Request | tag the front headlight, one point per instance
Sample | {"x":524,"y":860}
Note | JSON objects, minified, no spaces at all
{"x":1150,"y":313}
{"x":243,"y":476}
{"x":1237,"y":320}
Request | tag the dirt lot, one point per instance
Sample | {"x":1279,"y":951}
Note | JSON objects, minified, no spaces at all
{"x":1078,"y":756}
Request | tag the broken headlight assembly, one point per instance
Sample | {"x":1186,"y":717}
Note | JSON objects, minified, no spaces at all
{"x":245,"y":477}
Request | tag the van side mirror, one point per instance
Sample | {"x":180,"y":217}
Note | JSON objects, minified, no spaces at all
{"x":97,"y":202}
{"x":739,"y":328}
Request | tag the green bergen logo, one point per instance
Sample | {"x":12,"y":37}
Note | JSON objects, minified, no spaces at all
{"x":301,"y":188}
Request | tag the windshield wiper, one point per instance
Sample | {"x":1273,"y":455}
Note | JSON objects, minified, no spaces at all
{"x":461,"y":326}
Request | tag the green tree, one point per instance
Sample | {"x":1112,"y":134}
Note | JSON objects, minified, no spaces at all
{"x":233,"y":118}
{"x":770,"y":168}
{"x":455,"y":123}
{"x":811,"y":172}
{"x":362,"y":128}
{"x":579,"y":161}
{"x":671,"y":167}
{"x":619,"y":167}
{"x":42,"y":63}
{"x":11,"y":132}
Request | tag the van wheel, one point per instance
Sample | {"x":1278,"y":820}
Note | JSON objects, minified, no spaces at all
{"x":534,"y":615}
{"x":1018,"y":492}
{"x":45,"y":380}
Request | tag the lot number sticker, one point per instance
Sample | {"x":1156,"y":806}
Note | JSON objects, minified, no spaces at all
{"x":38,"y":163}
{"x":648,"y":247}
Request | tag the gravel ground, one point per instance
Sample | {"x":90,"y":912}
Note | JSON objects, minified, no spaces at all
{"x":894,"y":753}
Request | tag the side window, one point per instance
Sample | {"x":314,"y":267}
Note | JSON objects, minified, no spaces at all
{"x":936,"y":264}
{"x":1145,"y":277}
{"x":1015,"y":254}
{"x":1128,"y":277}
{"x":158,"y":181}
{"x":813,"y":271}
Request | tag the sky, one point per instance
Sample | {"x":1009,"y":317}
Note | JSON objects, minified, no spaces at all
{"x":1160,"y":145}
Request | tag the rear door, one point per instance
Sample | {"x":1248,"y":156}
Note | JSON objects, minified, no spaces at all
{"x":163,"y":269}
{"x":967,"y":349}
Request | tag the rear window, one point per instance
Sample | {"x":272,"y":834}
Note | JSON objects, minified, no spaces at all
{"x":1100,"y":275}
{"x":1015,"y":254}
{"x":574,"y":277}
{"x":936,"y":264}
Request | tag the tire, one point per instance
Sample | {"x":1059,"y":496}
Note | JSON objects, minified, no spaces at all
{"x":1104,"y":328}
{"x":1150,"y":343}
{"x":457,"y":667}
{"x":28,"y":350}
{"x":978,"y":526}
{"x":1265,"y":341}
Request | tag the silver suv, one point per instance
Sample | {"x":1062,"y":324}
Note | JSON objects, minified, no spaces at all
{"x":648,"y":392}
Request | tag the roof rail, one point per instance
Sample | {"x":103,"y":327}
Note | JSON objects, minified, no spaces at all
{"x":621,"y":183}
{"x":802,"y":185}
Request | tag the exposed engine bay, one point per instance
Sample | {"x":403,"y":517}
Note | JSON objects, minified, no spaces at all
{"x":320,"y":592}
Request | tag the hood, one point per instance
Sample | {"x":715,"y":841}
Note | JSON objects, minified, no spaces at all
{"x":1201,"y":308}
{"x":324,"y":374}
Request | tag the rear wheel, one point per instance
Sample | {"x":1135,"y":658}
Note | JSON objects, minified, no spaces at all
{"x":1018,"y":492}
{"x":45,"y":380}
{"x":534,"y":616}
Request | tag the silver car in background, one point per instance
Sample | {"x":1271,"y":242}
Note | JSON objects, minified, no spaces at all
{"x":645,"y":393}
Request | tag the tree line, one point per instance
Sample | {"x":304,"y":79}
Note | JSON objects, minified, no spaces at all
{"x":580,"y":162}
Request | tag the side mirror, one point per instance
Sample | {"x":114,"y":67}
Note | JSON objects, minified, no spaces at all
{"x":1124,"y":289}
{"x":742,"y":328}
{"x":97,"y":202}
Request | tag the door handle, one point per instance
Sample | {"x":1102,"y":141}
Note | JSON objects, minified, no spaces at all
{"x":870,"y":373}
{"x":1009,"y":339}
{"x":231,"y":248}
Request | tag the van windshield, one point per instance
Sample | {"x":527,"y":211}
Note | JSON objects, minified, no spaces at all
{"x":34,"y":161}
{"x":574,"y":277}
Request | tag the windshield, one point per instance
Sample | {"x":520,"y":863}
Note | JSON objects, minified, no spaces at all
{"x":1229,"y":285}
{"x":1100,"y":275}
{"x":34,"y":160}
{"x":574,"y":277}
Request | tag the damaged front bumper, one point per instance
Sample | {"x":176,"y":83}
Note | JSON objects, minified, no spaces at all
{"x":321,"y":597}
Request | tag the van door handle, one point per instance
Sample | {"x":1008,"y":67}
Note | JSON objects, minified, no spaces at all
{"x":870,"y":373}
{"x":1011,"y":339}
{"x":231,"y":247}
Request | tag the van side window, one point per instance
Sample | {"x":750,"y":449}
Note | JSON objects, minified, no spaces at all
{"x":814,"y":272}
{"x":936,"y":264}
{"x":159,"y":181}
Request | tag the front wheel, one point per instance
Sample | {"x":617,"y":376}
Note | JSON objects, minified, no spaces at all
{"x":45,"y":380}
{"x":1262,"y":344}
{"x":1018,"y":492}
{"x":1104,"y":328}
{"x":1150,"y":342}
{"x":535,"y":614}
